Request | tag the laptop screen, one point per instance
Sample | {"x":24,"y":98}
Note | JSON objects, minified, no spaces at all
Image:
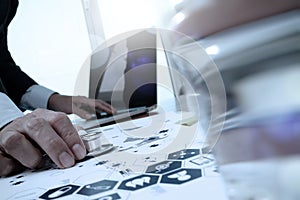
{"x":124,"y":73}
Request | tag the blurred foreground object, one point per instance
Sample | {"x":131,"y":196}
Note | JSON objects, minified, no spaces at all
{"x":256,"y":48}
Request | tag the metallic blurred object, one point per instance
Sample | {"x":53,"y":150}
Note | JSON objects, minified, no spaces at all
{"x":256,"y":47}
{"x":92,"y":141}
{"x":202,"y":18}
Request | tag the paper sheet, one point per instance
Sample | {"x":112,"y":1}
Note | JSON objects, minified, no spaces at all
{"x":155,"y":158}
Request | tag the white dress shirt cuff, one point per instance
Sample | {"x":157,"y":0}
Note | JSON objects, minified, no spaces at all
{"x":8,"y":110}
{"x":36,"y":96}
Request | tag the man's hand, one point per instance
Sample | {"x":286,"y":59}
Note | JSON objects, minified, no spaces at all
{"x":80,"y":105}
{"x":23,"y":141}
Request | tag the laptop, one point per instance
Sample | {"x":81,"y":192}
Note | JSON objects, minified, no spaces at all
{"x":123,"y":73}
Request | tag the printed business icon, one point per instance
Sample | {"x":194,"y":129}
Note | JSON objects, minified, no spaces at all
{"x":59,"y":192}
{"x":181,"y":176}
{"x":138,"y":182}
{"x":98,"y":187}
{"x":163,"y":167}
{"x":184,"y":154}
{"x":114,"y":196}
{"x":203,"y":161}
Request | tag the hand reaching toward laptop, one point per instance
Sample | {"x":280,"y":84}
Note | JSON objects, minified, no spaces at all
{"x":80,"y":105}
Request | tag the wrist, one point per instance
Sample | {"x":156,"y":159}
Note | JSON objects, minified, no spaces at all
{"x":1,"y":128}
{"x":51,"y":101}
{"x":57,"y":102}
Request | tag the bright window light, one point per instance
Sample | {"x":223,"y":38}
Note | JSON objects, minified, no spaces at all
{"x":212,"y":50}
{"x":123,"y":16}
{"x":179,"y":17}
{"x":175,"y":2}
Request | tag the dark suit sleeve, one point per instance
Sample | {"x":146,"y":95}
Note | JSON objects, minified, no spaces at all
{"x":2,"y":88}
{"x":15,"y":81}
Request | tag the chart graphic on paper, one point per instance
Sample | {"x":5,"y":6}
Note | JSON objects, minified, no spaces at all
{"x":163,"y":161}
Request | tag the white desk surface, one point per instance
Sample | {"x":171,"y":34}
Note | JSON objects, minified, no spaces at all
{"x":161,"y":160}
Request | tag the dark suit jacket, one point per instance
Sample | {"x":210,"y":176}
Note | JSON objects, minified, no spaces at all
{"x":13,"y":81}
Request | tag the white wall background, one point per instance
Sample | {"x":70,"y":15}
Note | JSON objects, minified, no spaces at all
{"x":48,"y":39}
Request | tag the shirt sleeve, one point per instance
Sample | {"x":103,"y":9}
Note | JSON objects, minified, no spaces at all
{"x":8,"y":110}
{"x":36,"y":96}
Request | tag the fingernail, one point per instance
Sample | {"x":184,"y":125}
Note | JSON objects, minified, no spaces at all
{"x":66,"y":159}
{"x":79,"y":151}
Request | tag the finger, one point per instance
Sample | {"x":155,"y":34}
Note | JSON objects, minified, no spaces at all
{"x":9,"y":166}
{"x":64,"y":128}
{"x":84,"y":107}
{"x":45,"y":136}
{"x":20,"y":148}
{"x":105,"y":106}
{"x":98,"y":104}
{"x":84,"y":114}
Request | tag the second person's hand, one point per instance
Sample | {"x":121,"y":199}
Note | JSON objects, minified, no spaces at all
{"x":82,"y":106}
